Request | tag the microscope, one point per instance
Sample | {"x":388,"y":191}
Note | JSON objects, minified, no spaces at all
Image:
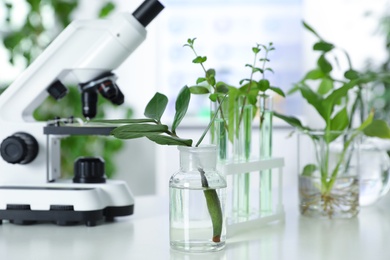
{"x":31,"y":188}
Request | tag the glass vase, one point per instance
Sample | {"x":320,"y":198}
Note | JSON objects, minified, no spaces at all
{"x":374,"y":170}
{"x":265,"y":146}
{"x":197,"y":202}
{"x":328,"y":168}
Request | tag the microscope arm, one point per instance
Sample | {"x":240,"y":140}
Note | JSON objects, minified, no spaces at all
{"x":83,"y":51}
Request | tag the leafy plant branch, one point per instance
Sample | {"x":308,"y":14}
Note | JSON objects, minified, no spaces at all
{"x":327,"y":100}
{"x":153,"y":129}
{"x":249,"y":88}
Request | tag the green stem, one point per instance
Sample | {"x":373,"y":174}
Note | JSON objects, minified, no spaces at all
{"x":336,"y":169}
{"x":213,"y":206}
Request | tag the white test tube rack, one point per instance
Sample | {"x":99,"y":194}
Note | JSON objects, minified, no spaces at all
{"x":278,"y":214}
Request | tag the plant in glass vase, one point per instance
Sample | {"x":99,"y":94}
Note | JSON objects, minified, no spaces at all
{"x":197,"y":190}
{"x":329,"y":173}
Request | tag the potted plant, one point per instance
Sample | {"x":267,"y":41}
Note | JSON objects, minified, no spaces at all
{"x":197,"y":190}
{"x":329,"y":173}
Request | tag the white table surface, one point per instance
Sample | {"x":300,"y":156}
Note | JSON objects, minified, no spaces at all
{"x":145,"y":235}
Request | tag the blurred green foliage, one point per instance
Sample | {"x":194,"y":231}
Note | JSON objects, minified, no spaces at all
{"x":24,"y":41}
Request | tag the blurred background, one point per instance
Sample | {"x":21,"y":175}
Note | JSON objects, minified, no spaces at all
{"x":226,"y":30}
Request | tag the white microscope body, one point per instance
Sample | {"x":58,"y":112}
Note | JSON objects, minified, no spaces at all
{"x":84,"y":53}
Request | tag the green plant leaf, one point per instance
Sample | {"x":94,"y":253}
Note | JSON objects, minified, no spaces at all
{"x":123,"y":121}
{"x":140,"y":128}
{"x":263,"y":84}
{"x":210,"y":73}
{"x":323,"y":46}
{"x":309,"y":169}
{"x":324,"y":64}
{"x":106,"y":9}
{"x":181,"y":106}
{"x":255,"y":50}
{"x":222,"y":88}
{"x":200,"y":80}
{"x":277,"y":90}
{"x":314,"y":74}
{"x":325,"y":86}
{"x":334,"y":98}
{"x":156,"y":106}
{"x":213,"y":97}
{"x":294,"y":89}
{"x":351,"y":74}
{"x":340,"y":121}
{"x":291,"y":120}
{"x":169,"y":140}
{"x":199,"y":90}
{"x":378,"y":128}
{"x":199,"y":59}
{"x":232,"y":102}
{"x":137,"y":130}
{"x":315,"y":100}
{"x":309,"y":28}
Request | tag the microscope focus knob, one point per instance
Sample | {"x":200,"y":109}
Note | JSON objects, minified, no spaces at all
{"x":21,"y":148}
{"x":89,"y":170}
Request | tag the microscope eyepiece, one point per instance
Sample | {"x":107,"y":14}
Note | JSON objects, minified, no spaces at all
{"x":147,"y":11}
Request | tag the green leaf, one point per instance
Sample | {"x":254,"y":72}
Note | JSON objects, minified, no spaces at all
{"x":291,"y":120}
{"x":325,"y":86}
{"x":199,"y":59}
{"x":323,"y":46}
{"x":181,"y":106}
{"x":334,"y":98}
{"x":210,"y":73}
{"x":232,"y":103}
{"x":366,"y":122}
{"x":213,"y":97}
{"x":199,"y":90}
{"x":137,"y":130}
{"x":309,"y":169}
{"x":169,"y":140}
{"x":222,"y":88}
{"x":378,"y":128}
{"x":156,"y":106}
{"x":277,"y":90}
{"x":263,"y":85}
{"x":351,"y":74}
{"x":315,"y":100}
{"x":244,"y":80}
{"x":294,"y":89}
{"x":106,"y":9}
{"x":314,"y":74}
{"x":309,"y":28}
{"x":200,"y":80}
{"x":123,"y":121}
{"x":255,"y":50}
{"x":248,"y":86}
{"x":324,"y":64}
{"x":340,"y":121}
{"x":140,"y":128}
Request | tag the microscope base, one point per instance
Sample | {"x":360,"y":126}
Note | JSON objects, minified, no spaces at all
{"x":65,"y":203}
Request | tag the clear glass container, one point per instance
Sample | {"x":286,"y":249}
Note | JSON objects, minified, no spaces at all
{"x":197,"y":202}
{"x":328,"y":168}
